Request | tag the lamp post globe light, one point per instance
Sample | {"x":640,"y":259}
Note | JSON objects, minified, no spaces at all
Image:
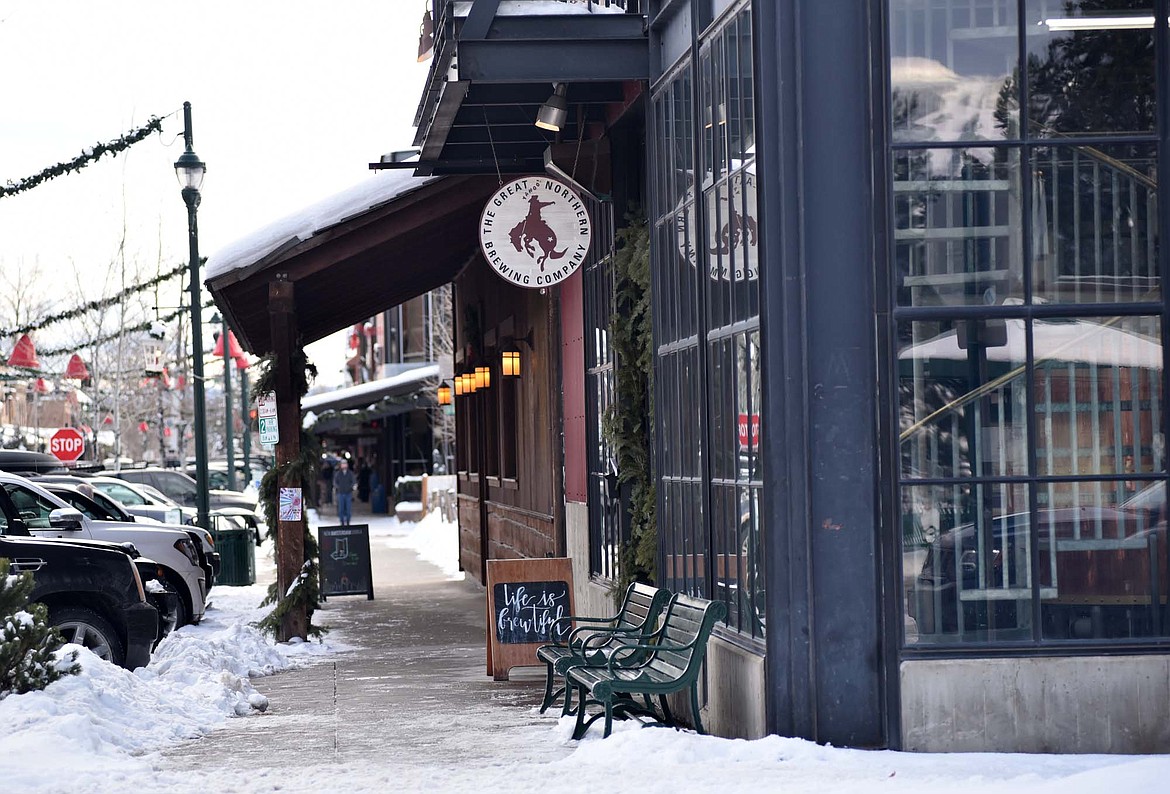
{"x":190,"y":170}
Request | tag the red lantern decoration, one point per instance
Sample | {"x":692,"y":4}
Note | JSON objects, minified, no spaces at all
{"x":41,"y":386}
{"x":76,"y":369}
{"x":143,"y":427}
{"x":166,"y":432}
{"x":355,"y":339}
{"x":234,"y":349}
{"x":24,"y":354}
{"x":109,"y":420}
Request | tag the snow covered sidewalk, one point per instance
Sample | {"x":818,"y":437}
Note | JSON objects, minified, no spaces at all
{"x":398,"y":699}
{"x":106,"y":721}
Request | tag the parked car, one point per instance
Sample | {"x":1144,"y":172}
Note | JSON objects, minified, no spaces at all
{"x":182,"y":488}
{"x":19,"y":460}
{"x":86,"y":502}
{"x":93,"y":591}
{"x":217,"y":477}
{"x":46,"y":515}
{"x":144,"y":503}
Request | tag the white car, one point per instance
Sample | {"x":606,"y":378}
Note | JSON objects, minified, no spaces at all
{"x":47,"y":515}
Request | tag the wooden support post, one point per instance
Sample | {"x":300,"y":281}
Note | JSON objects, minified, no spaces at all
{"x":290,"y":539}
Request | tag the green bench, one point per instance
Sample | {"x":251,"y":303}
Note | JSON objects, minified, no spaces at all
{"x":594,"y":637}
{"x":659,"y":664}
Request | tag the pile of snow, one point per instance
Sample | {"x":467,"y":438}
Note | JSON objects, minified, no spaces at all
{"x":101,"y":719}
{"x":434,"y":540}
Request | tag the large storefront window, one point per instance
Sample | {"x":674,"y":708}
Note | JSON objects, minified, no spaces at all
{"x":709,"y":349}
{"x":1029,"y":321}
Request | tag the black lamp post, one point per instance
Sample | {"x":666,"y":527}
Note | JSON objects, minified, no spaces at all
{"x":190,"y":169}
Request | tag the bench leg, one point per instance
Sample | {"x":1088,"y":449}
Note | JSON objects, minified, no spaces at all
{"x":695,"y":708}
{"x":580,"y":728}
{"x":548,"y":688}
{"x":608,"y":718}
{"x":667,"y":717}
{"x":567,"y":708}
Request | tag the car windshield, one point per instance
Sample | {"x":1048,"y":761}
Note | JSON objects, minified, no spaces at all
{"x":156,"y":495}
{"x":121,"y":493}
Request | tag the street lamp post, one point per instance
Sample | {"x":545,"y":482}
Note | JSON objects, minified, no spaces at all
{"x":190,"y":169}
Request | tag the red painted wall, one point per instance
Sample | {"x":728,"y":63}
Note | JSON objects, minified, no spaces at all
{"x":573,"y":386}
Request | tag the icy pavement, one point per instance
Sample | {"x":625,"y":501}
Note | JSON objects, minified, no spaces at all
{"x":398,"y":699}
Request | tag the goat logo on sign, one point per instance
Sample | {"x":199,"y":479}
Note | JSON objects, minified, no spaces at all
{"x":535,"y":232}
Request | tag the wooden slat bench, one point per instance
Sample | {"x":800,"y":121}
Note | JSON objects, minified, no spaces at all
{"x":669,"y":662}
{"x":635,"y":620}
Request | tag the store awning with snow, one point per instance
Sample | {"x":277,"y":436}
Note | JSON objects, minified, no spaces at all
{"x":386,"y":240}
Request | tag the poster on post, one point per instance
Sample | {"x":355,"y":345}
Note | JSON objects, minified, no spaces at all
{"x":525,"y":600}
{"x":345,"y":561}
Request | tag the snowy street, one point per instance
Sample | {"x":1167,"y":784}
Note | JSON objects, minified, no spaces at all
{"x":396,"y":697}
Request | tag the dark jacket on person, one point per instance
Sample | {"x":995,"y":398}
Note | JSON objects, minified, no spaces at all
{"x":343,"y":481}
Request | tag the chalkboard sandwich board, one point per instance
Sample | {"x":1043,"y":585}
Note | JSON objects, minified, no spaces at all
{"x":525,"y":598}
{"x":345,"y":561}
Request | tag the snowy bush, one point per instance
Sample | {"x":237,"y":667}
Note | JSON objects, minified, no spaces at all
{"x":28,"y":644}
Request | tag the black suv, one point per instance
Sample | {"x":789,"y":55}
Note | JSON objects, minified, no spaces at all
{"x":92,"y":589}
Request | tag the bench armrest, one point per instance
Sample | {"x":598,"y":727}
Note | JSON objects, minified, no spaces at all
{"x":570,"y":619}
{"x":638,"y":646}
{"x":584,"y":634}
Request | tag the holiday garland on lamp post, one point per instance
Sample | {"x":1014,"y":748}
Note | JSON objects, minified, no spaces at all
{"x":87,"y":156}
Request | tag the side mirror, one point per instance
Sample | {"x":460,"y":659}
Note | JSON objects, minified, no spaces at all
{"x":66,"y":519}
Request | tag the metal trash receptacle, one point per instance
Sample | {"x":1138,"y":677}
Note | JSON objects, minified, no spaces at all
{"x":237,"y":556}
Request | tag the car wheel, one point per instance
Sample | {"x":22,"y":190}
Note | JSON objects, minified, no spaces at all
{"x":85,"y":627}
{"x":183,"y":613}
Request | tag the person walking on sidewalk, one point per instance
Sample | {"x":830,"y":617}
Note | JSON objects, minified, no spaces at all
{"x":343,"y":482}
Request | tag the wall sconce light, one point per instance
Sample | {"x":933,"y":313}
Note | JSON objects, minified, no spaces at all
{"x":510,"y":363}
{"x":444,"y":394}
{"x":458,"y":381}
{"x":510,"y":354}
{"x":555,"y":111}
{"x":483,"y":378}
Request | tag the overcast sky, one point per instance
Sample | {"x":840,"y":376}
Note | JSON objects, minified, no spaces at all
{"x":291,"y":100}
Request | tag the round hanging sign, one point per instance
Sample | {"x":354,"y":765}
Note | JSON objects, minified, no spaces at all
{"x":535,"y":232}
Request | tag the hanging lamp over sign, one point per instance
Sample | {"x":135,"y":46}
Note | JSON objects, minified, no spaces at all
{"x":535,"y":232}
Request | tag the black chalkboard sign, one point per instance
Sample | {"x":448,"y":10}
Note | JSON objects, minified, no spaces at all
{"x":525,"y":612}
{"x":345,"y":561}
{"x":525,"y":597}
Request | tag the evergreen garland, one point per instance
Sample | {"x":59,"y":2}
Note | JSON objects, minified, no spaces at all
{"x":94,"y":305}
{"x":28,"y":645}
{"x":629,"y":421}
{"x":87,"y":156}
{"x":129,"y":329}
{"x":305,"y":590}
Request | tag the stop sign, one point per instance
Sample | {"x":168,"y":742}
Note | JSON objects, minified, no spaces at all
{"x":67,"y":444}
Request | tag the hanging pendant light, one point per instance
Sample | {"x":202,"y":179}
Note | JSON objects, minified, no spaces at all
{"x":555,"y":111}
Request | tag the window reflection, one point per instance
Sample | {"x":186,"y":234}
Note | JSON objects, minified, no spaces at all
{"x":957,"y":226}
{"x":1099,"y":401}
{"x":1090,"y":67}
{"x":966,"y":563}
{"x":952,"y":69}
{"x":1095,"y":224}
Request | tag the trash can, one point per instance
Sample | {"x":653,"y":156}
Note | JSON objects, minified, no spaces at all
{"x":378,"y":499}
{"x":237,"y":556}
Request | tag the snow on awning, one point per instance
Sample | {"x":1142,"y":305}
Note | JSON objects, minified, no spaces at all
{"x":519,"y":8}
{"x":301,"y":225}
{"x":366,"y":394}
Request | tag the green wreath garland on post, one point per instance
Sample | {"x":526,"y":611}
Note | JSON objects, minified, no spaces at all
{"x":628,"y":424}
{"x":306,"y":588}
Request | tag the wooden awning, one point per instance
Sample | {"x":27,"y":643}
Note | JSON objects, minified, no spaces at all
{"x":351,"y":269}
